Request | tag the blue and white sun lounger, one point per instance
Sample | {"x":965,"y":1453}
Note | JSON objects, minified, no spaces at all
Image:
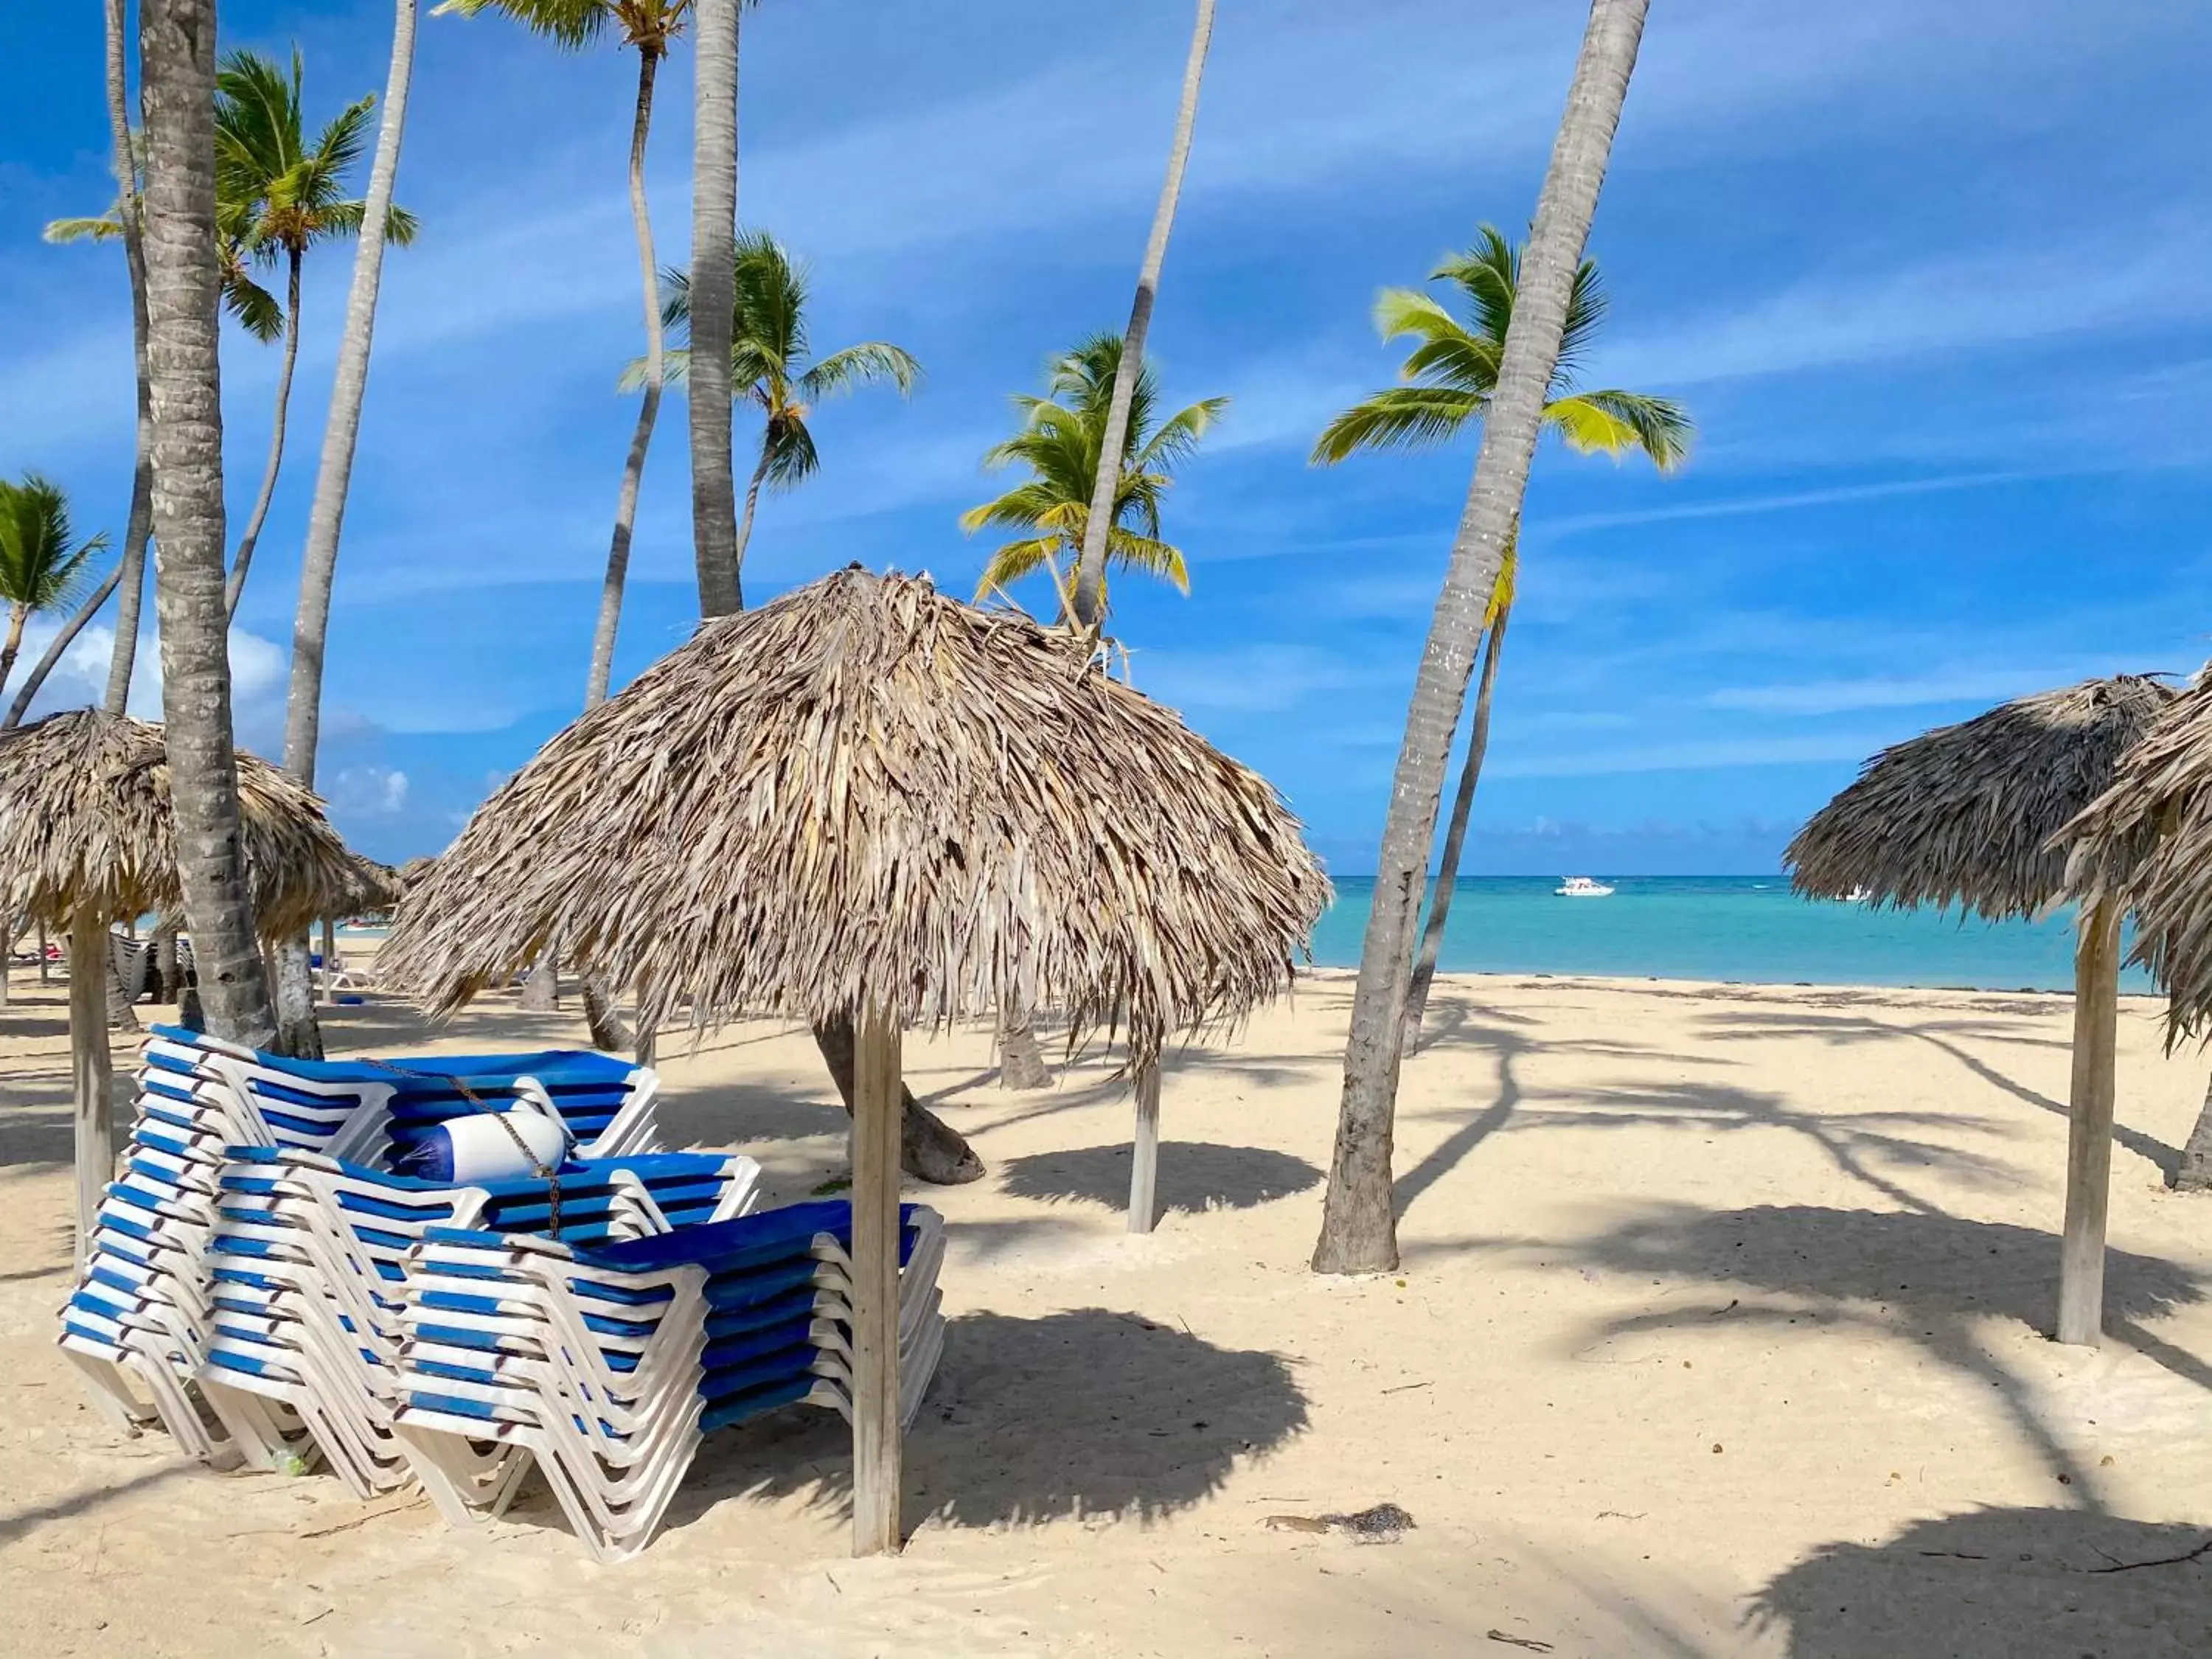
{"x":306,"y":1261}
{"x":607,"y":1364}
{"x":136,"y":1326}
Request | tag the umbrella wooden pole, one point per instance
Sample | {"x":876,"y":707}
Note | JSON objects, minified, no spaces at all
{"x":90,"y":1071}
{"x":2089,"y":1136}
{"x":1144,"y":1152}
{"x":878,"y":1458}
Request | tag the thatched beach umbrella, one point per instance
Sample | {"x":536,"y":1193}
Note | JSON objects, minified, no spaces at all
{"x":1966,"y":814}
{"x":86,"y":839}
{"x":2146,"y":844}
{"x":867,"y":804}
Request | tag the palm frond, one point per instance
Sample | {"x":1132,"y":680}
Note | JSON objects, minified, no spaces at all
{"x":252,"y":306}
{"x":871,"y":361}
{"x":107,"y":227}
{"x":1178,"y":436}
{"x":1149,"y":555}
{"x":1586,"y":308}
{"x":1399,"y":417}
{"x":1489,"y":275}
{"x":791,"y":455}
{"x":571,"y":23}
{"x":1618,"y":423}
{"x":38,"y":568}
{"x":1010,"y":563}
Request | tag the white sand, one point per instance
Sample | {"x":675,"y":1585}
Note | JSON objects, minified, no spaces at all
{"x":1719,"y":1333}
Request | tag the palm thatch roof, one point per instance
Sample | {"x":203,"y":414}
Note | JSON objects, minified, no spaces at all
{"x":869,"y":794}
{"x":2146,"y":842}
{"x":84,"y":820}
{"x":376,"y":888}
{"x":1965,"y":814}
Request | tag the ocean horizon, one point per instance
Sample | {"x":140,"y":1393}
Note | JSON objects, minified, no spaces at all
{"x":1748,"y":928}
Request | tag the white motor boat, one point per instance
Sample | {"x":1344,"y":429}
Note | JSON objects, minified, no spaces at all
{"x":1583,"y":887}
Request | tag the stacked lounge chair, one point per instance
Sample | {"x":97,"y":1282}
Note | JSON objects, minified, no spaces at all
{"x":136,"y":1325}
{"x":305,"y":1264}
{"x":607,"y":1364}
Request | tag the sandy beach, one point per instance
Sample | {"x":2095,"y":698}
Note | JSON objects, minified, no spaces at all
{"x":1721,"y":1331}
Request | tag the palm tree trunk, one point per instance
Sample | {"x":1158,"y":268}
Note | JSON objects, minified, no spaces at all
{"x":715,"y":542}
{"x":1359,"y":1228}
{"x":752,"y":499}
{"x":929,"y":1149}
{"x":2194,"y":1175}
{"x":1447,"y":878}
{"x":326,"y":515}
{"x":132,"y":568}
{"x":176,"y":45}
{"x":260,"y":514}
{"x":1091,"y":569}
{"x":60,"y":644}
{"x":610,"y":592}
{"x":1021,"y":1063}
{"x":17,"y":615}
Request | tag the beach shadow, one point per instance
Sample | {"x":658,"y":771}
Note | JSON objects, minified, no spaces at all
{"x":18,"y":1524}
{"x":41,"y":1027}
{"x":37,"y":1136}
{"x":1088,"y":1413}
{"x":1868,"y":1147}
{"x":2002,"y":1584}
{"x":1943,"y":1037}
{"x":1918,"y":1277}
{"x":1193,"y":1176}
{"x":1863,"y":1146}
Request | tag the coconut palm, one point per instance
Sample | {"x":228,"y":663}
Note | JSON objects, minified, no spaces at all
{"x":184,"y":293}
{"x":42,"y":565}
{"x":303,"y":701}
{"x":647,"y":26}
{"x":277,"y":196}
{"x":716,"y":544}
{"x":1088,"y":599}
{"x":1359,"y":1225}
{"x":1450,"y":377}
{"x":251,"y":306}
{"x":1061,"y":438}
{"x":771,"y":363}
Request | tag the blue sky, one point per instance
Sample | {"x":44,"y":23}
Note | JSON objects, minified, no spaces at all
{"x":1932,"y":280}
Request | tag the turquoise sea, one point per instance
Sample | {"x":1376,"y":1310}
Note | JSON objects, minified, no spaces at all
{"x":1751,"y":928}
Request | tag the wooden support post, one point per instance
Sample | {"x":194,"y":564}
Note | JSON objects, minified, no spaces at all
{"x":330,"y":961}
{"x":90,"y":1070}
{"x":1145,"y":1151}
{"x":878,"y":1463}
{"x":2089,"y":1135}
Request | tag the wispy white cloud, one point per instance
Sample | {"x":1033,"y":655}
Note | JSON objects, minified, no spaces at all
{"x":2137,"y":277}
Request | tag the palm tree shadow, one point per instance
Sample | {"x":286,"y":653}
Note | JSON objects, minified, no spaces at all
{"x":1193,"y":1176}
{"x":1940,"y":1035}
{"x":2000,"y":1584}
{"x":1090,"y":1413}
{"x":1922,"y":1278}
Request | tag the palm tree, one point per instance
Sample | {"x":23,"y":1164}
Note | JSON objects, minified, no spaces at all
{"x":770,"y":365}
{"x":277,"y":196}
{"x":1061,"y":438}
{"x":1359,"y":1225}
{"x":253,"y":306}
{"x":1449,"y":378}
{"x":716,"y":544}
{"x":319,"y":560}
{"x":1088,"y":601}
{"x":39,"y":570}
{"x":183,"y":292}
{"x":648,"y":27}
